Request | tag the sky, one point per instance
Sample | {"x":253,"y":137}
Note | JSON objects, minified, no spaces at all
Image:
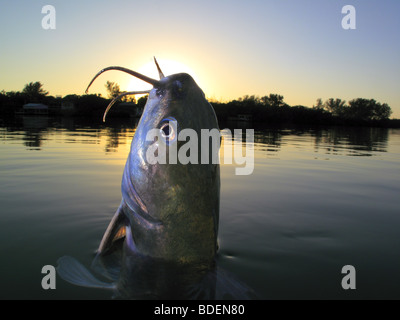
{"x":231,"y":48}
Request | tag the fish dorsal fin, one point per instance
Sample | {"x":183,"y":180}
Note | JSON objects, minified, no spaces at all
{"x":160,"y":73}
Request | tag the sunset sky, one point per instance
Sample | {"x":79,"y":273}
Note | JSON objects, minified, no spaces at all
{"x":232,"y":48}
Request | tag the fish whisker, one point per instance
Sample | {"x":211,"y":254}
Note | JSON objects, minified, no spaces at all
{"x":119,"y":97}
{"x":154,"y":82}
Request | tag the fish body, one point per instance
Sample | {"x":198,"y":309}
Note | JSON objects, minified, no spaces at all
{"x":172,"y":209}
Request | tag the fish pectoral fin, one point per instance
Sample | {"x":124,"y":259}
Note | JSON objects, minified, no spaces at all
{"x":72,"y":271}
{"x":114,"y":232}
{"x":120,"y":233}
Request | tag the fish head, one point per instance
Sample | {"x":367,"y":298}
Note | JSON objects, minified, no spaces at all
{"x":172,"y":203}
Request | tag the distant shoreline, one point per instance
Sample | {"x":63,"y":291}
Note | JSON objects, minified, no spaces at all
{"x":254,"y":110}
{"x":231,"y":122}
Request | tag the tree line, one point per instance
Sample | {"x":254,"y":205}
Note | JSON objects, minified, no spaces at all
{"x":87,"y":105}
{"x":273,"y":109}
{"x":269,"y":109}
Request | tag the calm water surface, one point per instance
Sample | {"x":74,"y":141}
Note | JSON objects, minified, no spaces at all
{"x":318,"y":199}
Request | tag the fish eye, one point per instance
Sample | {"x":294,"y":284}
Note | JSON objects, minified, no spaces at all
{"x":168,"y":129}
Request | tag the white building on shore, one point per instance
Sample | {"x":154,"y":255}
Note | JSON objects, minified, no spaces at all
{"x":35,"y":108}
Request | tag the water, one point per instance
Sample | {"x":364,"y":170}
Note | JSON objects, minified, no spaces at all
{"x":318,"y":199}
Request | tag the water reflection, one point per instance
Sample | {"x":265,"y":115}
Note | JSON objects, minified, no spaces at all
{"x":349,"y":141}
{"x":268,"y":141}
{"x":34,"y":131}
{"x":352,"y":141}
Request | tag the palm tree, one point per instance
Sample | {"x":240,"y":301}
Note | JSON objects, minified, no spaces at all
{"x":335,"y":106}
{"x":112,"y":89}
{"x":34,"y":91}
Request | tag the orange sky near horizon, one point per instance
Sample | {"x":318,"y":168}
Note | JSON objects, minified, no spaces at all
{"x":297,"y":49}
